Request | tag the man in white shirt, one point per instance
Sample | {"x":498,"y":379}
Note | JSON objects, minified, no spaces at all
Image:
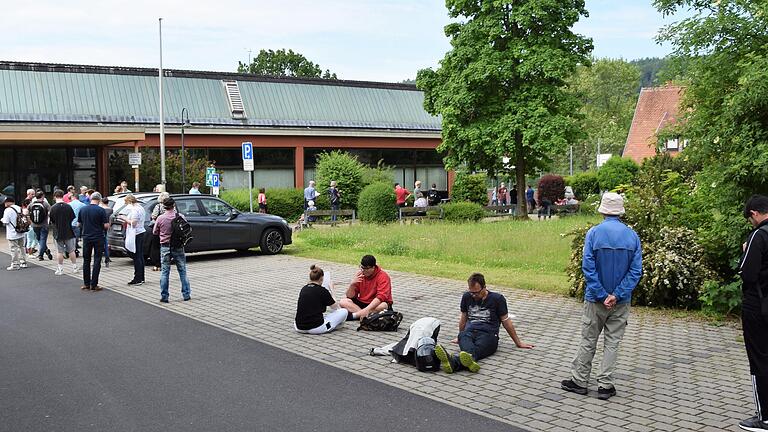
{"x":15,"y":239}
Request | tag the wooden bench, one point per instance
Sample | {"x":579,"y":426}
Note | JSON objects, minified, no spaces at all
{"x":564,"y":210}
{"x":415,"y":214}
{"x":498,"y":210}
{"x":317,"y":214}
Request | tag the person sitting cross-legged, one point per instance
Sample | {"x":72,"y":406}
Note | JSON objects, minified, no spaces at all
{"x":370,"y":292}
{"x":314,"y":298}
{"x":482,"y":312}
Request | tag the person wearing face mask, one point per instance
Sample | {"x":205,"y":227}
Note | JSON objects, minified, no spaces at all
{"x":482,"y":313}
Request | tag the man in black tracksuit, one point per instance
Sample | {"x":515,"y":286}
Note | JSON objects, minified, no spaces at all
{"x":754,"y":275}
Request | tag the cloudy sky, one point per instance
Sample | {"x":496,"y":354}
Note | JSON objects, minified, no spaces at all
{"x":381,"y":40}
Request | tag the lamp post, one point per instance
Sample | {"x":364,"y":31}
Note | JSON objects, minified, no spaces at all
{"x":184,"y":124}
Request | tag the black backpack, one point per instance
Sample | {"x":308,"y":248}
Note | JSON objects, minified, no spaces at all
{"x":38,"y":213}
{"x":22,"y":222}
{"x":387,"y":320}
{"x":181,"y":233}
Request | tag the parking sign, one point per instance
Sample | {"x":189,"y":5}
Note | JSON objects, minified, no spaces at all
{"x":247,"y":156}
{"x":215,"y":180}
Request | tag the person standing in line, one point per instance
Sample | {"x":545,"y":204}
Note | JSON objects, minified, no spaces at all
{"x":108,"y":210}
{"x":69,"y":194}
{"x":135,"y":221}
{"x":310,"y":193}
{"x":612,"y":266}
{"x":417,"y":188}
{"x":753,"y":269}
{"x":262,"y":200}
{"x":83,"y":197}
{"x":334,"y":197}
{"x":502,"y":195}
{"x":15,"y":239}
{"x":124,"y":187}
{"x":154,"y":245}
{"x":314,"y":298}
{"x":433,"y":196}
{"x":30,"y":240}
{"x":195,"y":190}
{"x":62,"y":216}
{"x":171,"y":247}
{"x":38,"y":215}
{"x":93,"y":224}
{"x":401,"y":195}
{"x":529,"y":198}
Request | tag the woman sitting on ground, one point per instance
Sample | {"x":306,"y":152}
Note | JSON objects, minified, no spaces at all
{"x":313,"y":299}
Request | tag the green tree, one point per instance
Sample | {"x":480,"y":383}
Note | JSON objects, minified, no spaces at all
{"x":608,"y":93}
{"x":650,"y":69}
{"x":345,"y":170}
{"x":284,"y":63}
{"x":501,"y":89}
{"x":616,"y":171}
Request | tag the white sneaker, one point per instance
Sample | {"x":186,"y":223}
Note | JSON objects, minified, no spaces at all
{"x":74,"y":268}
{"x":23,"y":265}
{"x":59,"y":271}
{"x":11,"y":268}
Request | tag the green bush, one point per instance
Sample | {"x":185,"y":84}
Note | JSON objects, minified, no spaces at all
{"x":379,"y":174}
{"x":463,"y":212}
{"x":616,"y":171}
{"x":584,"y":184}
{"x":551,"y":187}
{"x":286,"y":203}
{"x":470,"y":188}
{"x":345,"y":170}
{"x":377,"y":203}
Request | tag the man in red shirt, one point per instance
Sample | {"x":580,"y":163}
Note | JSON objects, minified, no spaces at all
{"x":370,"y":292}
{"x":401,"y":194}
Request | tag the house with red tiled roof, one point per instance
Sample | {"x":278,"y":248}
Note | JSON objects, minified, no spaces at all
{"x":657,"y":108}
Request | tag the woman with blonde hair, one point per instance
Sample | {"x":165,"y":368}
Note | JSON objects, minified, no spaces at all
{"x":314,"y":298}
{"x":134,"y":237}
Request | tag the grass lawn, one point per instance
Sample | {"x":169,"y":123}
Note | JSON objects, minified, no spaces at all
{"x":519,"y":254}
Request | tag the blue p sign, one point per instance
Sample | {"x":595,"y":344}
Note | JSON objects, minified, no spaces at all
{"x":247,"y":151}
{"x":215,"y":180}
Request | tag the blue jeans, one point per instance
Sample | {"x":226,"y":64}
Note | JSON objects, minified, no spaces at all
{"x":42,"y":239}
{"x":334,"y":207}
{"x":92,"y":248}
{"x":166,"y":252}
{"x":106,"y":247}
{"x":480,"y":344}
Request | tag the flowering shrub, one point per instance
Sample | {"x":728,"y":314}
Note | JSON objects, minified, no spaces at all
{"x":551,"y":187}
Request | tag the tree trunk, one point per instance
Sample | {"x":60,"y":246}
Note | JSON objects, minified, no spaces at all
{"x":522,"y":205}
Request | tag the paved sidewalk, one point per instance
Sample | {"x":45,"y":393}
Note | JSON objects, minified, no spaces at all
{"x":673,"y":375}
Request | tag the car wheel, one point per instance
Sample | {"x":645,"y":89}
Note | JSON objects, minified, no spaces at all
{"x":271,"y":241}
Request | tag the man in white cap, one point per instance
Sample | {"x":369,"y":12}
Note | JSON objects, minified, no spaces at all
{"x":612,"y":266}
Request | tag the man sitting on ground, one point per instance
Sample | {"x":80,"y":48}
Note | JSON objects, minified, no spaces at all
{"x":370,"y":292}
{"x":482,"y":311}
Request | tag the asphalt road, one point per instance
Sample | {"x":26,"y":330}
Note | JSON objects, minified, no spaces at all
{"x":83,"y":361}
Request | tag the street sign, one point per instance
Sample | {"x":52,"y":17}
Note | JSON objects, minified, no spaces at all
{"x":215,"y":180}
{"x":247,"y":156}
{"x":602,"y":158}
{"x":134,"y":159}
{"x":208,"y":173}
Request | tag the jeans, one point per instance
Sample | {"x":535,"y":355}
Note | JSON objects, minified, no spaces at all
{"x":106,"y":247}
{"x":92,"y":248}
{"x":333,"y":216}
{"x":480,"y":344}
{"x":41,"y":234}
{"x":166,"y":252}
{"x":138,"y":258}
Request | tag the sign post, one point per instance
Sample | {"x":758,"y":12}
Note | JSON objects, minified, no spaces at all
{"x":248,"y":167}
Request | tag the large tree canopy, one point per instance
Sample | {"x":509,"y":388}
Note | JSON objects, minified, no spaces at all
{"x":284,"y":63}
{"x":501,"y":89}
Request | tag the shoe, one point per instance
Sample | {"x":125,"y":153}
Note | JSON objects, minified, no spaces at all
{"x":59,"y":271}
{"x":85,"y":287}
{"x":49,"y":255}
{"x":571,"y":386}
{"x":74,"y":268}
{"x":155,"y":268}
{"x":468,"y":361}
{"x":41,"y":258}
{"x":136,"y":283}
{"x":23,"y":265}
{"x":444,"y":357}
{"x":187,"y":298}
{"x":96,"y":288}
{"x":753,"y":424}
{"x":605,"y":394}
{"x":12,"y":268}
{"x":106,"y":264}
{"x":163,"y":300}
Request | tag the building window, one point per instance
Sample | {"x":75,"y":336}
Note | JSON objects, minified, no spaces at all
{"x":672,"y":144}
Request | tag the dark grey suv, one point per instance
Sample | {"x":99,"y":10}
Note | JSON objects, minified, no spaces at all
{"x":216,"y":225}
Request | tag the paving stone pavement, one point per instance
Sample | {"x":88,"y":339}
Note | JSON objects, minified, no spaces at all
{"x":672,"y":375}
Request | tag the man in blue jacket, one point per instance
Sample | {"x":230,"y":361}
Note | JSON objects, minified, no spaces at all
{"x":612,"y":266}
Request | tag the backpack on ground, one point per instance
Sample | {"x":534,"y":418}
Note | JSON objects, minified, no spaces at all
{"x":181,"y":233}
{"x":387,"y":320}
{"x":22,"y":222}
{"x":38,"y":213}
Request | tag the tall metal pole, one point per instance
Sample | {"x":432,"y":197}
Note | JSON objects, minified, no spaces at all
{"x":183,"y":156}
{"x":571,"y":162}
{"x":597,"y":161}
{"x":162,"y":122}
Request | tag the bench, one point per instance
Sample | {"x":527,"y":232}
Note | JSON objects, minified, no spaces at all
{"x":564,"y":210}
{"x":499,"y":210}
{"x":417,"y":214}
{"x":317,"y":214}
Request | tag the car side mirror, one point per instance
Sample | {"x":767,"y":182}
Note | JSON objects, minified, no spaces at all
{"x":233,"y":214}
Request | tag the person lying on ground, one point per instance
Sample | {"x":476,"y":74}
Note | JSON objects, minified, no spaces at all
{"x":482,"y":312}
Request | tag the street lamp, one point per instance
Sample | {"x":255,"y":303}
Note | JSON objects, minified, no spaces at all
{"x":184,"y":124}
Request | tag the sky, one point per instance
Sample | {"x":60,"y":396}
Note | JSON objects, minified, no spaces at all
{"x":373,"y":40}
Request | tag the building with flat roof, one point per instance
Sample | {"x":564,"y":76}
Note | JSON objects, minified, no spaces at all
{"x":66,"y":124}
